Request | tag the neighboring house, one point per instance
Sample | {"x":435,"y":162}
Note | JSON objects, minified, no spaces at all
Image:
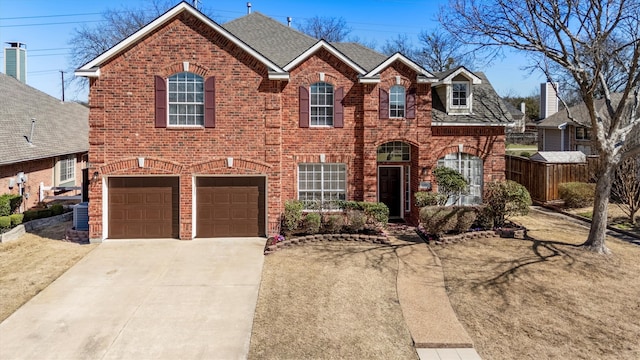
{"x":206,"y":130}
{"x":42,"y":140}
{"x":519,"y":118}
{"x":559,"y":132}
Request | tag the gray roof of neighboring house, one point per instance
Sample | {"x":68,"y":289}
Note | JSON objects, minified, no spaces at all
{"x":488,"y":107}
{"x":60,"y":128}
{"x":560,"y":157}
{"x":579,"y":113}
{"x":514,"y":111}
{"x":281,"y":44}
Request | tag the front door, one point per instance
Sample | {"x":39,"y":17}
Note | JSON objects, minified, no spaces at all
{"x":390,"y":189}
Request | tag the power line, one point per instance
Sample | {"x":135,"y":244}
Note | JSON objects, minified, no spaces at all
{"x":47,"y":16}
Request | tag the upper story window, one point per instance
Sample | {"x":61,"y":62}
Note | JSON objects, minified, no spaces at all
{"x":321,"y":104}
{"x":186,"y":99}
{"x":397,"y":101}
{"x":460,"y":94}
{"x":583,"y":133}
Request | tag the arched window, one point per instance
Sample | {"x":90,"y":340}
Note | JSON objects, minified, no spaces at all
{"x":396,"y":101}
{"x":186,"y":99}
{"x":321,"y":99}
{"x":394,"y":151}
{"x":471,"y":168}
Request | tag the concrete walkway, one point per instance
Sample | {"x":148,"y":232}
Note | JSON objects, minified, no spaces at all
{"x":437,"y":334}
{"x":144,"y":299}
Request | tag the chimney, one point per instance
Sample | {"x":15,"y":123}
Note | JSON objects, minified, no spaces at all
{"x":289,"y":21}
{"x":15,"y":61}
{"x":548,"y":99}
{"x":523,"y":108}
{"x":248,"y":8}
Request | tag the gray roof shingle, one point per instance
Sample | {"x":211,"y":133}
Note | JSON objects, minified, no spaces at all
{"x":60,"y":128}
{"x":579,"y":113}
{"x":488,"y":107}
{"x":281,"y":44}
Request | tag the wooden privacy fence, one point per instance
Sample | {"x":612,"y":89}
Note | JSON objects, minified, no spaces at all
{"x":542,"y":179}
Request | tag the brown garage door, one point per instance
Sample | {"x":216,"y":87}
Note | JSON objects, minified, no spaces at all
{"x":143,"y":208}
{"x":230,"y":207}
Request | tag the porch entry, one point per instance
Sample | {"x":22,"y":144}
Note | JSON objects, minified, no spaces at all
{"x":390,"y":189}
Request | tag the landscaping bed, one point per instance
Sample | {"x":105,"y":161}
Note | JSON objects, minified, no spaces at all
{"x":542,"y":297}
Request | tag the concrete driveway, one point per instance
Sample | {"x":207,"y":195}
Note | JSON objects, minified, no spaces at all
{"x":144,"y":299}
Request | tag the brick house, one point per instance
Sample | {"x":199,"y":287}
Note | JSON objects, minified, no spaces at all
{"x":42,"y":141}
{"x":206,"y":130}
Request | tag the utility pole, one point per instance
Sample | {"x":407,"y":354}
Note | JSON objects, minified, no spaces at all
{"x":62,"y":76}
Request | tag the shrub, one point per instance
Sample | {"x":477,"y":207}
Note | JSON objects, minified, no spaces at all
{"x":292,"y":215}
{"x":333,"y":224}
{"x":450,"y":182}
{"x":5,"y":222}
{"x":577,"y":194}
{"x":312,"y":223}
{"x":484,"y":218}
{"x":36,"y":214}
{"x":465,"y":216}
{"x":437,"y":220}
{"x":356,"y":220}
{"x":9,"y":203}
{"x":424,"y":198}
{"x":16,"y":219}
{"x":525,"y":154}
{"x":56,"y":209}
{"x":506,"y":198}
{"x":374,"y":212}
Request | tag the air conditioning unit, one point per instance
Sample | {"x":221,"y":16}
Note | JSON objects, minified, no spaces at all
{"x":81,"y":217}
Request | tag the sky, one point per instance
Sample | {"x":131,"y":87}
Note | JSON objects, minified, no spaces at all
{"x":46,"y":26}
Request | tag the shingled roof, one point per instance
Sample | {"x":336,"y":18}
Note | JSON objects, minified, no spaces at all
{"x":60,"y":128}
{"x":282,"y":44}
{"x":488,"y":107}
{"x":579,"y":114}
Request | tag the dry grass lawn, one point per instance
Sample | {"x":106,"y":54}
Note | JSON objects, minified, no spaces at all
{"x":545,"y":298}
{"x":32,"y":262}
{"x":330,"y":301}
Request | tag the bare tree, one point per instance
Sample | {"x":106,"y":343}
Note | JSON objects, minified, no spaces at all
{"x":626,"y":188}
{"x":441,"y":51}
{"x":331,"y":29}
{"x":400,"y":44}
{"x":580,"y":38}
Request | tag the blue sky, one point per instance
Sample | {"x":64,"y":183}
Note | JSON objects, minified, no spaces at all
{"x":46,"y":26}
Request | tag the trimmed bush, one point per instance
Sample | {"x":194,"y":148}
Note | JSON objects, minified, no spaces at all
{"x":5,"y":222}
{"x":292,"y":215}
{"x":450,"y":183}
{"x":9,"y":203}
{"x":577,"y":194}
{"x":311,"y":223}
{"x":484,"y":218}
{"x":36,"y":214}
{"x":16,"y":219}
{"x":56,"y":209}
{"x":506,"y":198}
{"x":333,"y":224}
{"x":440,"y":220}
{"x":356,"y":220}
{"x":465,"y":216}
{"x":374,"y":212}
{"x":424,"y":198}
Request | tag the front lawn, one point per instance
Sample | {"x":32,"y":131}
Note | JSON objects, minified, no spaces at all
{"x":545,"y":298}
{"x":330,"y":301}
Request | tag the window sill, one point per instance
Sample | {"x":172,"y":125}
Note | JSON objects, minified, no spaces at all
{"x":186,"y":127}
{"x":321,"y":127}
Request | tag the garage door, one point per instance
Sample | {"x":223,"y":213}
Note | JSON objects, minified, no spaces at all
{"x":142,"y":208}
{"x":230,"y":207}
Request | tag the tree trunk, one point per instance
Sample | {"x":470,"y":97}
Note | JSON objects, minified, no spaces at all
{"x":597,"y":233}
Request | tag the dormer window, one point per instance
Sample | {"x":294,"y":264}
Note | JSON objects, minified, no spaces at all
{"x":460,"y":94}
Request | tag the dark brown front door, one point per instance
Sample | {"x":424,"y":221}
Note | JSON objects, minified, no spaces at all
{"x":230,"y":207}
{"x":142,"y":208}
{"x":390,"y":189}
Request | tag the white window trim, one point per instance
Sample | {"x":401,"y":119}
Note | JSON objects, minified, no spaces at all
{"x":333,"y":108}
{"x":191,"y":126}
{"x":468,"y":97}
{"x":61,"y":159}
{"x":322,"y":190}
{"x":404,"y":103}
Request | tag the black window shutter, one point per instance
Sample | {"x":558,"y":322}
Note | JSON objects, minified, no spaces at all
{"x":161,"y":102}
{"x":338,"y":108}
{"x":210,"y":102}
{"x":411,"y":104}
{"x":384,"y":104}
{"x":304,"y":107}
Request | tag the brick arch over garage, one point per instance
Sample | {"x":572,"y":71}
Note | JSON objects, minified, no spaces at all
{"x":131,"y":166}
{"x":239,"y":166}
